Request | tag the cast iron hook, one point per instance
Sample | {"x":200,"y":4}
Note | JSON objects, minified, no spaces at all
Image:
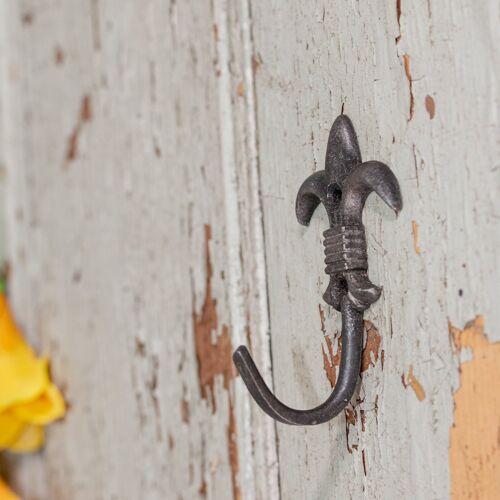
{"x":342,"y":188}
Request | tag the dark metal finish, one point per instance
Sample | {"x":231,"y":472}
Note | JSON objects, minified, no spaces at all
{"x":342,"y":188}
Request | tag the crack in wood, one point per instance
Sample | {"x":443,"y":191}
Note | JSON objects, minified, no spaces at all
{"x":84,"y":116}
{"x":407,"y":66}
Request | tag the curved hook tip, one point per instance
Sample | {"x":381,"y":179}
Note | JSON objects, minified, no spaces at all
{"x":240,"y":354}
{"x":244,"y":363}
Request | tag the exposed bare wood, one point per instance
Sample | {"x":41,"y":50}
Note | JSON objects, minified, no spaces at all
{"x":475,"y":434}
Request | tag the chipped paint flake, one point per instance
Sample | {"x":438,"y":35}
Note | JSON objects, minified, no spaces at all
{"x":474,"y":452}
{"x":185,"y":411}
{"x":322,"y":319}
{"x":398,"y":18}
{"x":411,"y":381}
{"x":331,"y":359}
{"x":430,"y":106}
{"x":406,"y":63}
{"x":58,"y":56}
{"x":233,"y":451}
{"x":213,"y":358}
{"x":351,"y":418}
{"x":416,"y":237}
{"x":84,"y":116}
{"x":372,"y":346}
{"x":27,"y":18}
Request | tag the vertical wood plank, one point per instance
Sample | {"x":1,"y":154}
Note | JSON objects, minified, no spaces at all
{"x":138,"y":260}
{"x":420,"y":83}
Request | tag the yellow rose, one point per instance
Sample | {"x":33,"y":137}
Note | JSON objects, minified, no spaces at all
{"x":6,"y":493}
{"x":28,"y":399}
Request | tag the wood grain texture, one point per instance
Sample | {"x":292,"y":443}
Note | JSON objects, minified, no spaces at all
{"x":316,"y":57}
{"x":123,"y":129}
{"x":152,"y":154}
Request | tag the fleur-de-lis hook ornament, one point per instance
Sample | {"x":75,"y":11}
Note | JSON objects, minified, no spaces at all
{"x":342,"y":188}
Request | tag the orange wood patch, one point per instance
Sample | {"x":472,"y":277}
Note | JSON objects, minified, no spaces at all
{"x":372,"y":346}
{"x":6,"y":493}
{"x":430,"y":106}
{"x":213,"y":358}
{"x":411,"y":381}
{"x":474,"y":452}
{"x":416,"y":238}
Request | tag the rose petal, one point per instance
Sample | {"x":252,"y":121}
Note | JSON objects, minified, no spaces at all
{"x":6,"y":493}
{"x":31,"y":439}
{"x":27,"y":397}
{"x":10,"y":335}
{"x":22,"y":380}
{"x":10,"y":429}
{"x":47,"y":407}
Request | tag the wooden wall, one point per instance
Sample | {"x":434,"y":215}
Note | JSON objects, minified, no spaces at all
{"x":151,"y":153}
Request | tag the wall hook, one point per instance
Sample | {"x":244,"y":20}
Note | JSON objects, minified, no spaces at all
{"x":343,"y":188}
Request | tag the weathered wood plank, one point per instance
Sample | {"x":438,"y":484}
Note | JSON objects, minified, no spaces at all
{"x":130,"y":155}
{"x":420,"y":82}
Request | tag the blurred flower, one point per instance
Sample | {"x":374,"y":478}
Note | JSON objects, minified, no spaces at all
{"x":28,"y":399}
{"x":6,"y":493}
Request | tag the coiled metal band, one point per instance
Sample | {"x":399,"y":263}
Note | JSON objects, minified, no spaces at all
{"x":345,"y":248}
